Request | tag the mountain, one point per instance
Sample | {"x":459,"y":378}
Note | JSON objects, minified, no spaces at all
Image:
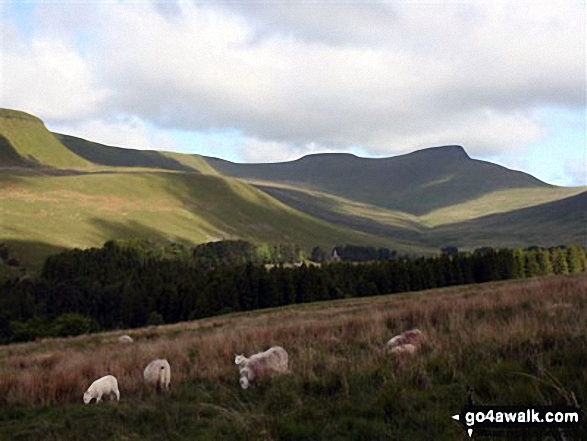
{"x":59,"y":191}
{"x":416,"y":183}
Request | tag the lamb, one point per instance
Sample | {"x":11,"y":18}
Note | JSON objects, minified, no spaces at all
{"x":106,"y":385}
{"x":157,"y":374}
{"x":413,"y":336}
{"x":273,"y":360}
{"x":125,"y":339}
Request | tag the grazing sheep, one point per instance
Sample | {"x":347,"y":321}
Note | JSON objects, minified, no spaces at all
{"x":273,"y":360}
{"x":408,"y":348}
{"x":413,"y":337}
{"x":106,"y":385}
{"x":157,"y":374}
{"x":125,"y":339}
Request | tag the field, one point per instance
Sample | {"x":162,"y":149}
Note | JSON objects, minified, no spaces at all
{"x":518,"y":343}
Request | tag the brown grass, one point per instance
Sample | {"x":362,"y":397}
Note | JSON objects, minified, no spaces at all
{"x":521,"y":320}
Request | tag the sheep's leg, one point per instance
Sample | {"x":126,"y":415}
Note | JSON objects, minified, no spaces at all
{"x":117,"y":392}
{"x":98,"y":398}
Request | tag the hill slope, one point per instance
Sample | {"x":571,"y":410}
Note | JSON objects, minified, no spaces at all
{"x":100,"y":154}
{"x":550,"y":224}
{"x":87,"y":209}
{"x":416,"y":183}
{"x":518,"y":343}
{"x":26,"y":142}
{"x":60,"y":191}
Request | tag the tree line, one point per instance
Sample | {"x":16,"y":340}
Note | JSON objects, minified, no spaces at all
{"x":129,"y":285}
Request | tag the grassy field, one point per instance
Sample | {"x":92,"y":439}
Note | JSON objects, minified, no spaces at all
{"x":517,"y":343}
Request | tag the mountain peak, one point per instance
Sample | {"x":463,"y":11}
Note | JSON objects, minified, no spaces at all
{"x":453,"y":152}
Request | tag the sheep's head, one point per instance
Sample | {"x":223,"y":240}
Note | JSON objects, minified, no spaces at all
{"x":87,"y":397}
{"x":238,"y":359}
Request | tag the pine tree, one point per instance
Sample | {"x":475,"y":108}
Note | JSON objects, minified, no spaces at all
{"x":559,"y":261}
{"x":543,"y":258}
{"x":532,"y":266}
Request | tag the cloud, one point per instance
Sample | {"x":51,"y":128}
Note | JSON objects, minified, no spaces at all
{"x":255,"y":150}
{"x":576,"y":171}
{"x":385,"y":77}
{"x":128,"y":133}
{"x":48,"y":78}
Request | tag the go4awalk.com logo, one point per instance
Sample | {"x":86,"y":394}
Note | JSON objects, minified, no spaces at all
{"x":486,"y":420}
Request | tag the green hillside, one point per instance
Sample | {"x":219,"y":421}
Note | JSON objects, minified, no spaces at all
{"x":44,"y":210}
{"x":59,"y":191}
{"x":416,"y":183}
{"x":100,"y":154}
{"x":26,"y":142}
{"x":507,"y":218}
{"x":561,"y":222}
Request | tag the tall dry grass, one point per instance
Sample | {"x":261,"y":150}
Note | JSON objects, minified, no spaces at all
{"x":511,"y":320}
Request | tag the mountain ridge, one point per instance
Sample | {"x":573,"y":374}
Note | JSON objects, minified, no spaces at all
{"x":84,"y":193}
{"x":417,"y":182}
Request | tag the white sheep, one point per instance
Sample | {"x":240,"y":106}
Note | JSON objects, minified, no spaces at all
{"x":413,"y":337}
{"x":408,"y":348}
{"x":106,"y":385}
{"x":125,"y":339}
{"x":157,"y":374}
{"x":273,"y":360}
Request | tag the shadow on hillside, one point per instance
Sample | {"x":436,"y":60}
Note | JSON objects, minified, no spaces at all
{"x":133,"y":230}
{"x":417,"y":183}
{"x":31,"y":254}
{"x":100,"y":154}
{"x":409,"y":234}
{"x":212,"y":199}
{"x":9,"y":156}
{"x":562,"y":222}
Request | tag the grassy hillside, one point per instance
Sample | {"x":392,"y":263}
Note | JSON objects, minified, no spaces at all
{"x":507,"y":218}
{"x":100,"y":154}
{"x":61,"y":191}
{"x":551,"y":224}
{"x":416,"y":183}
{"x":515,"y":343}
{"x":25,"y":141}
{"x":86,"y":209}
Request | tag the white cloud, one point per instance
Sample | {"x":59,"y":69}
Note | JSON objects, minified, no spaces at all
{"x":576,"y":171}
{"x":48,"y":78}
{"x":127,"y":132}
{"x":255,"y":150}
{"x":385,"y":77}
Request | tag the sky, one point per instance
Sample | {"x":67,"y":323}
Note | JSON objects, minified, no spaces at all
{"x":273,"y":80}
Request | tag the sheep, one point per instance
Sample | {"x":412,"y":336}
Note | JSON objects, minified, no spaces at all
{"x":157,"y":374}
{"x":408,"y":348}
{"x":125,"y":339}
{"x":273,"y":360}
{"x":414,"y":337}
{"x":106,"y":385}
